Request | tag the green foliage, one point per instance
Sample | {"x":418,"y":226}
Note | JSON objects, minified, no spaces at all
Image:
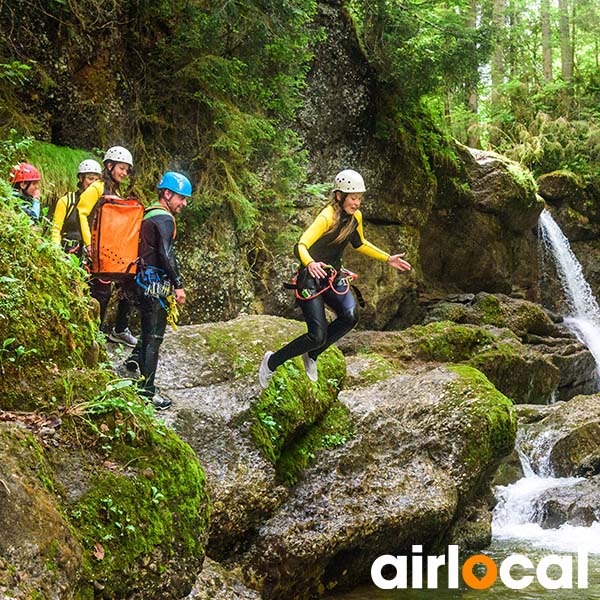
{"x":546,"y":144}
{"x":57,"y":165}
{"x":15,"y":72}
{"x":39,"y":291}
{"x":13,"y":149}
{"x":239,"y":67}
{"x":421,"y":47}
{"x":117,"y":414}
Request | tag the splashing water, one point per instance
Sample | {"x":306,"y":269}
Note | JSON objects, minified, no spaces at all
{"x":584,"y":313}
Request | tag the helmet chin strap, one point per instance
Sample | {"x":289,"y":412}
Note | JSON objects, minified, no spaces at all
{"x":168,"y":200}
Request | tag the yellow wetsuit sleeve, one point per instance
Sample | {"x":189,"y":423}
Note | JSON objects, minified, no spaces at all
{"x":366,"y":247}
{"x":58,"y":219}
{"x":87,"y":201}
{"x":318,"y":227}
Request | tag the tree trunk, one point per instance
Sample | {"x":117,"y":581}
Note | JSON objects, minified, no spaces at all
{"x":546,"y":41}
{"x":497,"y":71}
{"x":473,"y":129}
{"x":566,"y":50}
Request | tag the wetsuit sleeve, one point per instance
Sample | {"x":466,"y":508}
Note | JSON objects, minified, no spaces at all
{"x":58,"y":219}
{"x":319,"y":226}
{"x":365,"y":247}
{"x":87,"y":201}
{"x":166,"y":251}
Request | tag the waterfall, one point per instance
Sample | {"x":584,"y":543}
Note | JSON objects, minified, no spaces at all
{"x":584,"y":313}
{"x":514,"y":516}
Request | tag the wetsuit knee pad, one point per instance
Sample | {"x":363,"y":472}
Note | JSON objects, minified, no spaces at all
{"x":350,"y":316}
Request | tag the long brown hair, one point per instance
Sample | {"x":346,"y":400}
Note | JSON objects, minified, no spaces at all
{"x":111,"y":185}
{"x":337,"y":215}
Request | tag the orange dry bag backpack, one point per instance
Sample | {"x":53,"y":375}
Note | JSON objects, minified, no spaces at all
{"x":115,"y":237}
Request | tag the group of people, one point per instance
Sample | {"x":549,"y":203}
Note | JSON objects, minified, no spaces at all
{"x":156,"y":263}
{"x":320,"y":281}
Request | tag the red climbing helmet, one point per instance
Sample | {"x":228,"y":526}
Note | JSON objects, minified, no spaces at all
{"x":24,"y":172}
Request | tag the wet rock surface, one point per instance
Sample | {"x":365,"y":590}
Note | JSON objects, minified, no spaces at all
{"x":409,"y":471}
{"x":565,"y":443}
{"x":577,"y":505}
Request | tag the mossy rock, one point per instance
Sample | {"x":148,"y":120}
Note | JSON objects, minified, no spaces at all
{"x":40,"y":550}
{"x":445,"y":341}
{"x":490,"y":410}
{"x":292,"y":404}
{"x":520,"y":316}
{"x":116,"y":502}
{"x":525,"y":376}
{"x":47,"y":319}
{"x":365,"y":368}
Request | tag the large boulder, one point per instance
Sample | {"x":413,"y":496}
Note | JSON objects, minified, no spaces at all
{"x":565,"y":443}
{"x":499,"y":204}
{"x":109,"y":502}
{"x":425,"y":448}
{"x":244,"y":437}
{"x":517,"y":370}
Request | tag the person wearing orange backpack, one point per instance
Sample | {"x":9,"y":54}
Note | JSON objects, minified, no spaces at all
{"x":322,"y":281}
{"x":158,"y":278}
{"x":118,"y":163}
{"x":26,"y":182}
{"x":66,"y":223}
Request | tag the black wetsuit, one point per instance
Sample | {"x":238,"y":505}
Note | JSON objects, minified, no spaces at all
{"x":157,"y":254}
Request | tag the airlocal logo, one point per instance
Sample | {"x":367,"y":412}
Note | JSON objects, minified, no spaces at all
{"x":492,"y":571}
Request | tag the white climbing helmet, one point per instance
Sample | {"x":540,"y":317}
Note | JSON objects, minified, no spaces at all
{"x":118,"y":154}
{"x":89,"y":166}
{"x":349,"y":182}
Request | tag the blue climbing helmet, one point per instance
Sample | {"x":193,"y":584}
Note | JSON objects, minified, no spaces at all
{"x":176,"y":182}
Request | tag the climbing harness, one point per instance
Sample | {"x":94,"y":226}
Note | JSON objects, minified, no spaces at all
{"x":155,"y":285}
{"x":307,"y":288}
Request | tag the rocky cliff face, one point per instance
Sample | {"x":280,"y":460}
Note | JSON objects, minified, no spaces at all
{"x":465,"y":220}
{"x":466,"y":224}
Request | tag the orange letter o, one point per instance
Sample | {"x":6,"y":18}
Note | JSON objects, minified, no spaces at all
{"x":491,"y":572}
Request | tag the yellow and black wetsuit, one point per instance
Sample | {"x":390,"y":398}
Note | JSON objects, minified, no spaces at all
{"x":87,"y":202}
{"x":66,"y":226}
{"x":317,"y":243}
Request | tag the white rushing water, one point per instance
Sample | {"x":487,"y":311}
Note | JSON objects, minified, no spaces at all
{"x":584,"y":313}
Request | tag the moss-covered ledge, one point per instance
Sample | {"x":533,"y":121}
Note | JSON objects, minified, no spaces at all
{"x":47,"y":319}
{"x":292,"y":404}
{"x":110,"y":501}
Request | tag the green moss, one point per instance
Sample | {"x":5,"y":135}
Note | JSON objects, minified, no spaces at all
{"x":39,"y":292}
{"x":523,"y":177}
{"x":152,"y":505}
{"x":379,"y":368}
{"x":292,"y":403}
{"x":334,"y":430}
{"x":491,"y":311}
{"x":525,"y":379}
{"x":445,"y":341}
{"x":493,"y":431}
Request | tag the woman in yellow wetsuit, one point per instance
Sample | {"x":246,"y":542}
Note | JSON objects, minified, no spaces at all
{"x":118,"y":162}
{"x":321,"y":247}
{"x":66,"y":223}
